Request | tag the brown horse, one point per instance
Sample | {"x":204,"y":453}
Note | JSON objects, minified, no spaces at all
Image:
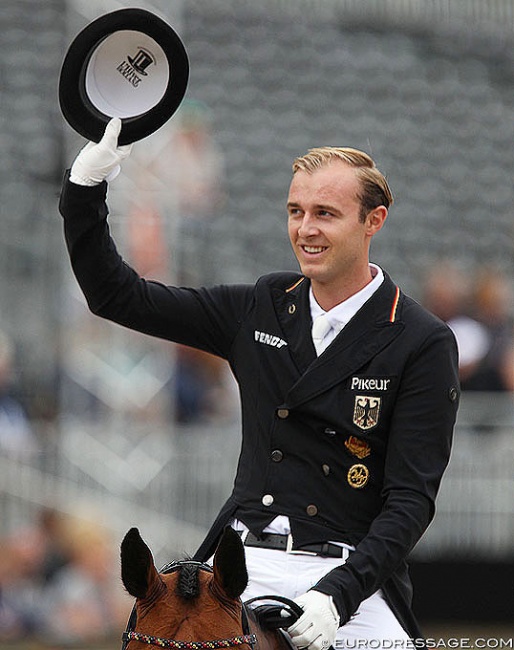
{"x":189,"y":605}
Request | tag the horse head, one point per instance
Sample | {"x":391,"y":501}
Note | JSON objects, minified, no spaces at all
{"x":187,"y":601}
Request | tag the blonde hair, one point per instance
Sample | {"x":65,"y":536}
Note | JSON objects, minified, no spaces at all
{"x":375,"y":188}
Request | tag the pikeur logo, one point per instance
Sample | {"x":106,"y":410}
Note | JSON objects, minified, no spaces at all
{"x":369,"y":383}
{"x":269,"y":339}
{"x":135,"y":66}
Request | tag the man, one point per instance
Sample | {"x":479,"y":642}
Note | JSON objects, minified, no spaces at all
{"x":344,"y":445}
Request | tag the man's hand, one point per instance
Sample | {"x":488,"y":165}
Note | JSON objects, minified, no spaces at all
{"x":316,"y":629}
{"x":100,"y":161}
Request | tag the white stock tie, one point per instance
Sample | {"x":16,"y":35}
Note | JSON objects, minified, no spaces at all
{"x":320,"y":328}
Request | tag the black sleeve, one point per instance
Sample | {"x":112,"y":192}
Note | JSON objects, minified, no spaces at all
{"x":207,"y":319}
{"x":418,"y":452}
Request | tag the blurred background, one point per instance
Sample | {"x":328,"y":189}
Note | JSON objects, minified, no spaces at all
{"x":102,"y":429}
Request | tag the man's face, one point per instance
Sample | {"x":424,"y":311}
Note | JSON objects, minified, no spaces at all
{"x":327,"y":236}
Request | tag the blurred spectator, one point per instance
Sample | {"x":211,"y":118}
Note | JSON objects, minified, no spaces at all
{"x":202,"y":387}
{"x":447,"y":295}
{"x":59,"y":582}
{"x":197,"y":167}
{"x":177,"y":191}
{"x":29,"y":562}
{"x":16,"y":603}
{"x":43,"y":547}
{"x":494,"y":309}
{"x":85,"y":601}
{"x":196,"y":164}
{"x":147,"y":244}
{"x":16,"y":435}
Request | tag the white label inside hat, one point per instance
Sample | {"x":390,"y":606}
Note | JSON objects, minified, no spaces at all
{"x":127,"y":75}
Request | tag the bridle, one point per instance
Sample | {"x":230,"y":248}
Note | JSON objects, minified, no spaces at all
{"x":268,"y":615}
{"x":246,"y":638}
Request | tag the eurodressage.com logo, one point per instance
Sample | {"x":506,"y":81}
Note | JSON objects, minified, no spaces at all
{"x":136,"y":65}
{"x":466,"y":643}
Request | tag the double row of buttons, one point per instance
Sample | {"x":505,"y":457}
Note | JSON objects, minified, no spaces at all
{"x":277,"y":455}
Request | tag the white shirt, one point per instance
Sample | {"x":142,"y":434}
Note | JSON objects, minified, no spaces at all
{"x":342,"y":313}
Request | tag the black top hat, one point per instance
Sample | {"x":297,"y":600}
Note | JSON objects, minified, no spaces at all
{"x":128,"y":64}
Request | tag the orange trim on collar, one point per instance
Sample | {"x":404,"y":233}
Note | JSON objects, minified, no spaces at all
{"x":392,"y":315}
{"x":295,"y":284}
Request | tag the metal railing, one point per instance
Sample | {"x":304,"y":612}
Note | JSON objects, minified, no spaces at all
{"x":475,"y":507}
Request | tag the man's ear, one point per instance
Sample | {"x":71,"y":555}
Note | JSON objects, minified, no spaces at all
{"x":375,"y":219}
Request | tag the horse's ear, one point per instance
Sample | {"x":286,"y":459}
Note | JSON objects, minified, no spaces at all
{"x":229,"y":564}
{"x":137,"y":566}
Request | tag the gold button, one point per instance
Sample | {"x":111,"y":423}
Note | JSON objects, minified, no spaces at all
{"x":358,"y":476}
{"x":283,"y":413}
{"x":311,"y":510}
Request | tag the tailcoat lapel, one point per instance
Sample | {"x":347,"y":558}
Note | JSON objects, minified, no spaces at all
{"x":294,"y":315}
{"x":373,"y":328}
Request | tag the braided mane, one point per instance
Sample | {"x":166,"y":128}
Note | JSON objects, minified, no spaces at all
{"x":187,"y":585}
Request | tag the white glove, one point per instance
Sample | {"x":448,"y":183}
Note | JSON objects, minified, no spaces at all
{"x":100,"y":161}
{"x":317,"y":627}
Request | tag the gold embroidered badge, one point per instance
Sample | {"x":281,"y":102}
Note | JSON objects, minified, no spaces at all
{"x":358,"y":476}
{"x":357,"y":447}
{"x":366,"y":411}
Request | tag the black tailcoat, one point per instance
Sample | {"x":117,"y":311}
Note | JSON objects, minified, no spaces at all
{"x":351,"y":445}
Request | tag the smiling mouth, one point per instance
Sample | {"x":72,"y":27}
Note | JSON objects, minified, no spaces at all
{"x":312,"y":250}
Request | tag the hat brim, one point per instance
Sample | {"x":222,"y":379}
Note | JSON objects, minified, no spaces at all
{"x":128,"y":64}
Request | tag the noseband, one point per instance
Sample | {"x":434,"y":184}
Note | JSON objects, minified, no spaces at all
{"x":243,"y":639}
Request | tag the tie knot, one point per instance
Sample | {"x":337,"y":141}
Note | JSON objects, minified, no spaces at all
{"x":320,"y":329}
